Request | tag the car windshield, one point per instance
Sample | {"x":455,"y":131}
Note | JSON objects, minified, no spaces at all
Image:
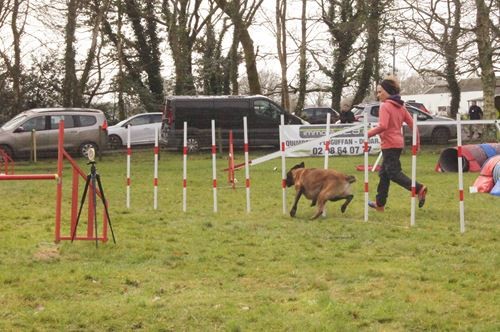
{"x":14,"y":122}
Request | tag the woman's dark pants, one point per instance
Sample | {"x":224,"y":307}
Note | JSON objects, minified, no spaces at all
{"x":391,"y":171}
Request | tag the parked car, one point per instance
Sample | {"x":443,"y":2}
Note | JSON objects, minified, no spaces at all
{"x":142,"y":130}
{"x":315,"y":115}
{"x":263,"y":120}
{"x":83,"y":129}
{"x":437,"y":134}
{"x":418,"y":105}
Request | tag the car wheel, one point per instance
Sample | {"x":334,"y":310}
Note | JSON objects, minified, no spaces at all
{"x":193,"y":145}
{"x":85,"y":147}
{"x":7,"y":151}
{"x":115,"y":142}
{"x":440,"y":136}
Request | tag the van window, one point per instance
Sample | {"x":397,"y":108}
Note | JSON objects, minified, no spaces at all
{"x":266,"y":110}
{"x":86,"y":120}
{"x":197,"y":113}
{"x":230,"y":113}
{"x":37,"y":123}
{"x":68,"y":121}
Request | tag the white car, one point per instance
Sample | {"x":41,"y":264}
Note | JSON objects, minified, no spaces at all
{"x":142,"y":130}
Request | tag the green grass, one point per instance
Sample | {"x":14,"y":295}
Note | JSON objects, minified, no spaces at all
{"x":262,"y":271}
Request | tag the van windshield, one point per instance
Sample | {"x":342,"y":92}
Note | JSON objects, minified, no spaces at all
{"x":14,"y":122}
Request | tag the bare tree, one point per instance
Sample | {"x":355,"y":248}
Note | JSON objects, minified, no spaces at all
{"x":242,"y":13}
{"x":435,"y":26}
{"x":344,"y":21}
{"x":373,"y":22}
{"x":74,"y":88}
{"x":184,"y":24}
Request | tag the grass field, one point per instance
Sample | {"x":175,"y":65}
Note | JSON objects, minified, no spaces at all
{"x":239,"y":271}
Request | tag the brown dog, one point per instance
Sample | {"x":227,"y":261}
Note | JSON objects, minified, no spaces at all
{"x":320,"y":186}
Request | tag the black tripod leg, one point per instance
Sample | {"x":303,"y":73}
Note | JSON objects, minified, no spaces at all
{"x":94,"y":206}
{"x":105,"y":206}
{"x":81,"y":206}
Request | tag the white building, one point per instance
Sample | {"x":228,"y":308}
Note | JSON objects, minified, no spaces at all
{"x":438,"y":98}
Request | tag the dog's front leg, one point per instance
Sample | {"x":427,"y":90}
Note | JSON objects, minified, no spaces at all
{"x":294,"y":207}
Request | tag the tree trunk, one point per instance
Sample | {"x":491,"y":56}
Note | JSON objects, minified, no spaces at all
{"x":302,"y":62}
{"x":250,"y":62}
{"x":70,"y":82}
{"x":241,"y":24}
{"x":281,"y":7}
{"x":484,"y":42}
{"x":16,"y":68}
{"x":233,"y":62}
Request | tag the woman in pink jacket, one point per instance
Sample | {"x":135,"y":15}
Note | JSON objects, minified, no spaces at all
{"x":392,"y":115}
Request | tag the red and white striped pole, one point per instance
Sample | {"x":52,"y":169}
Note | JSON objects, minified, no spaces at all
{"x":413,"y":171}
{"x":460,"y":174}
{"x":155,"y":180}
{"x":327,"y":148}
{"x":247,"y":168}
{"x":184,"y":169}
{"x":129,"y":154}
{"x":230,"y":173}
{"x":327,"y":139}
{"x":214,"y":169}
{"x":365,"y":131}
{"x":283,"y":161}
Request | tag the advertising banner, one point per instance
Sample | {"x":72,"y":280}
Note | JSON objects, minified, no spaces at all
{"x":302,"y":140}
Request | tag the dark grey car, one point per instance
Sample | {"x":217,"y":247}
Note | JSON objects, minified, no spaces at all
{"x":435,"y":133}
{"x":317,"y":115}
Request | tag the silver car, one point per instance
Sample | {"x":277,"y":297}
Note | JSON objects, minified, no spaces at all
{"x":434,"y":133}
{"x":83,"y":129}
{"x":142,"y":130}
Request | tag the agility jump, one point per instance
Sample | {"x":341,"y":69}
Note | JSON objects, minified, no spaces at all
{"x":77,"y":173}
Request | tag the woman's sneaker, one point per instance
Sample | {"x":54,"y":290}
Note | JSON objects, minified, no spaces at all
{"x":421,"y":196}
{"x":375,"y":206}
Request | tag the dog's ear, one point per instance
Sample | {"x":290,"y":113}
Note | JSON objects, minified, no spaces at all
{"x":302,"y":165}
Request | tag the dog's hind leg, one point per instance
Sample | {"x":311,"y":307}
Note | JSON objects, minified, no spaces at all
{"x":348,"y":200}
{"x":294,"y":207}
{"x":321,"y":207}
{"x":313,"y":203}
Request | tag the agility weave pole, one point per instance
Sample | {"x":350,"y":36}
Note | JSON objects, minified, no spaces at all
{"x":327,"y":148}
{"x":413,"y":171}
{"x":129,"y":156}
{"x":283,"y":163}
{"x":184,"y":169}
{"x":155,"y":175}
{"x":365,"y":156}
{"x":461,"y":206}
{"x":214,"y":168}
{"x":247,"y":167}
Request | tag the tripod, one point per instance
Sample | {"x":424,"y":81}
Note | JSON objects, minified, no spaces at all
{"x":93,"y":177}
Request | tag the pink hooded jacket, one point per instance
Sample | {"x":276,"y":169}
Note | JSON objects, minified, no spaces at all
{"x":392,"y":115}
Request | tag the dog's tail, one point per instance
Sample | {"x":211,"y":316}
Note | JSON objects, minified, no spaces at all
{"x":350,"y":178}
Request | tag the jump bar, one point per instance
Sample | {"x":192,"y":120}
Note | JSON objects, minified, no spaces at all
{"x":28,"y":177}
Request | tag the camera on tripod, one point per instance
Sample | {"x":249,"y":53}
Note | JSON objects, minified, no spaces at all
{"x":93,"y":179}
